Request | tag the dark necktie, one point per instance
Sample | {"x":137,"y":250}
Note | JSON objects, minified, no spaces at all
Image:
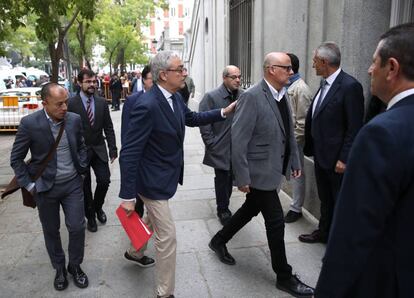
{"x":175,"y":107}
{"x":89,"y":111}
{"x":321,"y":95}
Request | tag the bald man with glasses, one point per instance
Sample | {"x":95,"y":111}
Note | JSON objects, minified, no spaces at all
{"x":263,"y":149}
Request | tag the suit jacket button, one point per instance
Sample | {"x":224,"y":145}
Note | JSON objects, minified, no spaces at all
{"x":282,"y":156}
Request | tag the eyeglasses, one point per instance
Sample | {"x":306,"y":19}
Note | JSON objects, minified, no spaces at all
{"x":90,"y":82}
{"x":233,"y":77}
{"x":179,"y":70}
{"x":288,"y":68}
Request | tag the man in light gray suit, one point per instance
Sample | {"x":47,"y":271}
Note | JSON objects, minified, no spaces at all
{"x":60,"y":183}
{"x":263,"y":150}
{"x":217,"y":138}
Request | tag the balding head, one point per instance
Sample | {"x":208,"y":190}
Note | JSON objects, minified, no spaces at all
{"x":231,"y":77}
{"x":277,"y":69}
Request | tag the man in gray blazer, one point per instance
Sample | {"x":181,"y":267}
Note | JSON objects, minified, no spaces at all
{"x":217,"y":138}
{"x":96,"y":121}
{"x":60,"y":183}
{"x":263,"y":150}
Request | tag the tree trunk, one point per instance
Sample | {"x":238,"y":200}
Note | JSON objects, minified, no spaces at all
{"x":81,"y":36}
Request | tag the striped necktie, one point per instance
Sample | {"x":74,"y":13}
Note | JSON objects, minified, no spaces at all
{"x":89,"y":111}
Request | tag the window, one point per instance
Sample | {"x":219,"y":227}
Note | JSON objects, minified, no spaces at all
{"x":172,"y":11}
{"x":180,"y":10}
{"x":241,"y":38}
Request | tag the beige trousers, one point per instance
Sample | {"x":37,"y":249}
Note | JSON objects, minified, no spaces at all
{"x":160,"y":218}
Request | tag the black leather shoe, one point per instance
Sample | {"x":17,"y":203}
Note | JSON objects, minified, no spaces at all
{"x":295,"y":287}
{"x":92,"y":226}
{"x":171,"y":296}
{"x":224,"y":216}
{"x":79,"y":277}
{"x":315,"y":237}
{"x":292,"y":216}
{"x":221,"y":251}
{"x":61,"y":282}
{"x":142,"y":262}
{"x":101,"y":216}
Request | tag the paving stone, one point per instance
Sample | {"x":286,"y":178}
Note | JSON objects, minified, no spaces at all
{"x":192,"y":235}
{"x":25,"y":269}
{"x":252,"y":276}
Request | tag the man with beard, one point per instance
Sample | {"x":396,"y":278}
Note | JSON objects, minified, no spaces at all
{"x":96,"y":120}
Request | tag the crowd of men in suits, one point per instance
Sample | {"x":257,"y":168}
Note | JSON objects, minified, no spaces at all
{"x":253,"y":139}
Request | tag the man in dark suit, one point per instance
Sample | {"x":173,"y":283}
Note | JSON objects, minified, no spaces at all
{"x":263,"y":150}
{"x":96,"y":120}
{"x":370,"y":249}
{"x":333,"y":120}
{"x":60,"y":182}
{"x":131,"y":254}
{"x":115,"y":85}
{"x":217,"y":139}
{"x":131,"y":100}
{"x":152,"y":161}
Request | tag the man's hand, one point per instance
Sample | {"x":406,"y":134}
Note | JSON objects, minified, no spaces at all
{"x":113,"y":159}
{"x":340,"y":167}
{"x":128,"y":206}
{"x":245,"y":189}
{"x":296,"y":173}
{"x":230,"y":108}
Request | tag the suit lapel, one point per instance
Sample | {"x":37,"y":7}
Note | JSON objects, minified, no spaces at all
{"x":335,"y":86}
{"x":45,"y":126}
{"x":273,"y":105}
{"x":82,"y":111}
{"x":167,"y":111}
{"x":98,"y":110}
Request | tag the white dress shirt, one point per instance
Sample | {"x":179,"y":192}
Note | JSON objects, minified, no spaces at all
{"x":329,"y":82}
{"x":400,"y":96}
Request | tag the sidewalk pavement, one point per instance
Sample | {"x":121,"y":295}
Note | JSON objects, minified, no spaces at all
{"x":25,"y":269}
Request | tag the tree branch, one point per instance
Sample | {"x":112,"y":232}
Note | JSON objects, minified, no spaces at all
{"x":75,"y":15}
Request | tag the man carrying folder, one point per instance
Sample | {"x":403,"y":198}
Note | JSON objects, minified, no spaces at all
{"x":151,"y":158}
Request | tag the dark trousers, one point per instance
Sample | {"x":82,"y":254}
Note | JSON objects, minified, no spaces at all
{"x":139,"y":207}
{"x":116,"y":100}
{"x":268,"y":203}
{"x":70,"y":196}
{"x":95,"y":202}
{"x":328,"y":183}
{"x":223,"y":184}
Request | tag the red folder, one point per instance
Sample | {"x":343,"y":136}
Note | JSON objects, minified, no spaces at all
{"x":136,"y":229}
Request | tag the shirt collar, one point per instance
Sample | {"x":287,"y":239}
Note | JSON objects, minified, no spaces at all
{"x":333,"y":76}
{"x":84,"y":97}
{"x":400,"y":96}
{"x":278,"y":95}
{"x":166,"y":93}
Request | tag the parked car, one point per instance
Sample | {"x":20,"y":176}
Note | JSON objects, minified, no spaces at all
{"x":12,"y":111}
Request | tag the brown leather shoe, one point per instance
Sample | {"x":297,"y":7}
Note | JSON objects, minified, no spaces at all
{"x":315,"y":237}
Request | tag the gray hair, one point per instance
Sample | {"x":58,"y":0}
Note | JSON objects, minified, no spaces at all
{"x":329,"y":51}
{"x":161,"y":61}
{"x":226,"y":70}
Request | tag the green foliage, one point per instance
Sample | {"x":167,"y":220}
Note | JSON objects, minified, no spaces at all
{"x":118,"y":27}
